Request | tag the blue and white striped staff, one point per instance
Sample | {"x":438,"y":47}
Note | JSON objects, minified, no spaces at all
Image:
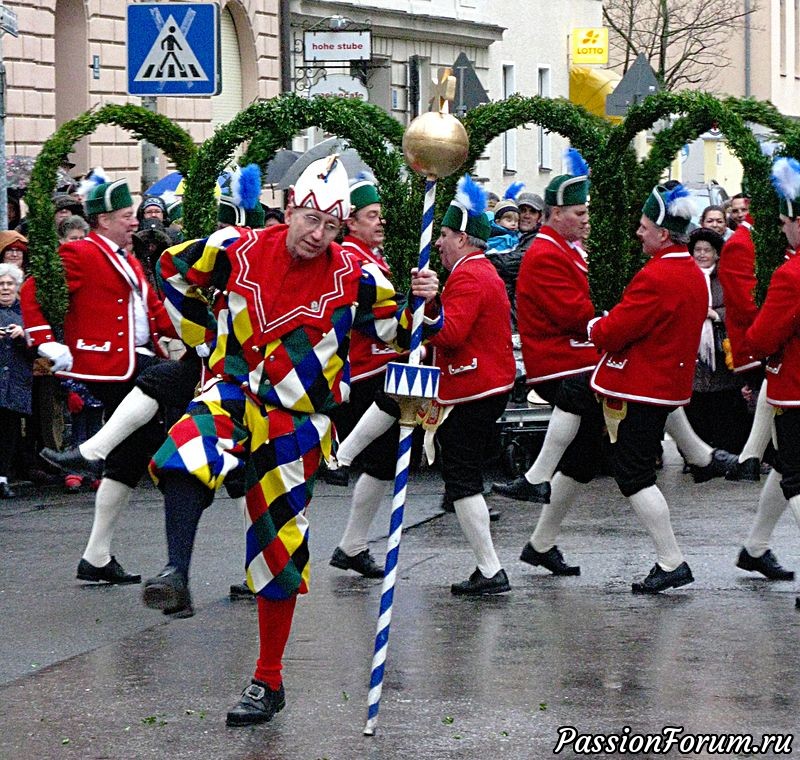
{"x":435,"y":145}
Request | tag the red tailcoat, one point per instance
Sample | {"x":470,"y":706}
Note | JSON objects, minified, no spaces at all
{"x":737,"y":275}
{"x":776,"y":333}
{"x":99,"y":324}
{"x":367,"y":356}
{"x":651,"y":336}
{"x":553,"y":307}
{"x":473,"y":349}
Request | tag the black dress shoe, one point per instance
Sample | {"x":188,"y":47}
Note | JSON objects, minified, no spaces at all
{"x":522,"y":490}
{"x":241,"y":591}
{"x":338,"y":477}
{"x":448,"y":506}
{"x":720,"y":464}
{"x":479,"y":585}
{"x":750,"y":470}
{"x":552,"y":560}
{"x":168,"y":592}
{"x":6,"y":491}
{"x":660,"y":580}
{"x":362,"y":563}
{"x":73,"y":462}
{"x":113,"y":572}
{"x":767,"y":564}
{"x":258,"y":704}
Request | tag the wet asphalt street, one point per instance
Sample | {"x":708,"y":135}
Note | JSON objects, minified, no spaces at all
{"x":87,"y":672}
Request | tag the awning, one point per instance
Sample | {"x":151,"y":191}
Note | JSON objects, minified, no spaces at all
{"x":588,"y":87}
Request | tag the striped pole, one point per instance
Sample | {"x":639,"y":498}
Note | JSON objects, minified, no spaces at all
{"x":389,"y":578}
{"x":424,"y":261}
{"x":410,"y":395}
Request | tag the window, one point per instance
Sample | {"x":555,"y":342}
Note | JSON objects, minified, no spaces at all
{"x":545,"y":159}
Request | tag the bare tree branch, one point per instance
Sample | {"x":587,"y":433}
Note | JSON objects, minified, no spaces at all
{"x":684,"y":40}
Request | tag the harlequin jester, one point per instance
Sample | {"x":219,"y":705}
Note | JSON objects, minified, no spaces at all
{"x":280,"y":360}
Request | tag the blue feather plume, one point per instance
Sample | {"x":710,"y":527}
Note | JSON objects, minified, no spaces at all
{"x":576,"y":165}
{"x":471,"y":196}
{"x":678,"y":202}
{"x":246,"y":186}
{"x":513,"y":190}
{"x":785,"y":178}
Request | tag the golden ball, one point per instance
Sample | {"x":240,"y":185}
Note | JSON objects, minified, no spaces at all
{"x":435,"y":144}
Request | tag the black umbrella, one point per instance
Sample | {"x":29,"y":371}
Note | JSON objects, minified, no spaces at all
{"x":18,"y":174}
{"x":278,"y":165}
{"x":349,"y":157}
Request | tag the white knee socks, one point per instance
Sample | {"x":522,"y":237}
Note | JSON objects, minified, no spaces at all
{"x":373,"y":424}
{"x":761,"y":431}
{"x":771,"y":505}
{"x":367,"y":496}
{"x":561,"y":431}
{"x":135,"y":410}
{"x":563,"y":491}
{"x":694,"y":448}
{"x":473,"y":517}
{"x":652,"y":510}
{"x":111,"y":498}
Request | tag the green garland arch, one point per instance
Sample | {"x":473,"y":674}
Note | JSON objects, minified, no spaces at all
{"x":619,"y":182}
{"x":45,"y":263}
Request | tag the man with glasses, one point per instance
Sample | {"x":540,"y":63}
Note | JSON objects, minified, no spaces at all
{"x":280,"y":343}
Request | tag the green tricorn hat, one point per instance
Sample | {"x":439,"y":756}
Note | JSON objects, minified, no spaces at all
{"x":572,"y":188}
{"x":467,"y":211}
{"x":230,"y":213}
{"x":785,"y":177}
{"x":107,"y":197}
{"x":672,"y":209}
{"x":363,"y":192}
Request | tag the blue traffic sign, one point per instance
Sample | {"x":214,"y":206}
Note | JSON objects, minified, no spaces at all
{"x":173,"y":49}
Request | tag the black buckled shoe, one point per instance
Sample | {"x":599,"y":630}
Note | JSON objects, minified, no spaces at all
{"x":258,"y":704}
{"x":73,"y":462}
{"x":721,"y":463}
{"x":552,"y":560}
{"x":749,"y":470}
{"x":479,"y":585}
{"x":112,"y":573}
{"x":6,"y":491}
{"x":362,"y":563}
{"x":448,"y":506}
{"x":660,"y":580}
{"x":168,"y":592}
{"x":241,"y":591}
{"x":521,"y":490}
{"x":338,"y":477}
{"x":767,"y":564}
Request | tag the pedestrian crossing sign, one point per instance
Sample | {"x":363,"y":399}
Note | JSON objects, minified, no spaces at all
{"x":173,"y":49}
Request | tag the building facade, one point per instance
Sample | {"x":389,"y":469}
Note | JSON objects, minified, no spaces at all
{"x":70,"y":57}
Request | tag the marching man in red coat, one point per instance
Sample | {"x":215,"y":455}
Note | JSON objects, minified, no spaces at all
{"x":473,"y":352}
{"x":650,"y":342}
{"x":112,"y":329}
{"x":368,"y":360}
{"x":775,"y":333}
{"x":737,"y":275}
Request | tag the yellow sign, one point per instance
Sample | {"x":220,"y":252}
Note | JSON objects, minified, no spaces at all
{"x":590,"y":45}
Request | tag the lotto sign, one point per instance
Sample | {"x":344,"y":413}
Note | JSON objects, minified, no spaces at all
{"x":173,"y":49}
{"x":590,"y":45}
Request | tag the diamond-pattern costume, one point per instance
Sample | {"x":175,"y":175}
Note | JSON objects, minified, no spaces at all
{"x":280,"y":361}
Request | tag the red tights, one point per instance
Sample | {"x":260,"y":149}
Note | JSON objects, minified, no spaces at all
{"x":274,"y":624}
